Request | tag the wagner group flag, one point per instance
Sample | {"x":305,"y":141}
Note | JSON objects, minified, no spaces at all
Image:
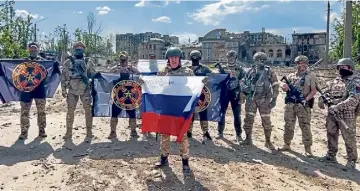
{"x":213,"y":98}
{"x":24,"y":80}
{"x":116,"y":95}
{"x":168,"y":103}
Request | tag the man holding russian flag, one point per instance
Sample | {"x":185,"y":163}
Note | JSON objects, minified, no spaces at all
{"x":169,"y":102}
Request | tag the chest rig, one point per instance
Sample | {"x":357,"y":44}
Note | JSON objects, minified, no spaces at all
{"x":258,"y":82}
{"x":339,"y":89}
{"x":77,"y":68}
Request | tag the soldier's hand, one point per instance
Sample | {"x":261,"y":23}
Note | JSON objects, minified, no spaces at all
{"x":205,"y":80}
{"x":64,"y":94}
{"x":273,"y":103}
{"x":285,"y":88}
{"x":333,"y":109}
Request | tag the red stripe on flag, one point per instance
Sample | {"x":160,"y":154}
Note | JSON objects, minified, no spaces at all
{"x":165,"y":124}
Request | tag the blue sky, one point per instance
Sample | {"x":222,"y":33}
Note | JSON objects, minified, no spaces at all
{"x":183,"y":18}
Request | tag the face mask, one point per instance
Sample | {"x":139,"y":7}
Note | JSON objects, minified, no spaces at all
{"x":33,"y":54}
{"x":79,"y":52}
{"x":195,"y":62}
{"x":345,"y":72}
{"x":123,"y":62}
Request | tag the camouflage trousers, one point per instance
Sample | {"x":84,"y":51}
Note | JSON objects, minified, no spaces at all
{"x":165,"y":146}
{"x":303,"y":114}
{"x":349,"y":136}
{"x":203,"y":124}
{"x":251,"y":107}
{"x":25,"y":114}
{"x":114,"y":122}
{"x":72,"y":100}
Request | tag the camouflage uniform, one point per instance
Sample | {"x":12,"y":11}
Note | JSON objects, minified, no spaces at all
{"x":237,"y":73}
{"x":165,"y":139}
{"x":200,"y":70}
{"x":132,"y":113}
{"x":26,"y":105}
{"x":262,"y":88}
{"x":305,"y":82}
{"x":74,"y":84}
{"x":343,"y":95}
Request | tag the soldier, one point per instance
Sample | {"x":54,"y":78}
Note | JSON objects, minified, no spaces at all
{"x":174,"y":55}
{"x":75,"y":83}
{"x":262,"y":91}
{"x":237,"y":73}
{"x":200,"y":70}
{"x":26,"y":104}
{"x":123,"y":68}
{"x":305,"y":81}
{"x":343,"y":96}
{"x":152,"y":56}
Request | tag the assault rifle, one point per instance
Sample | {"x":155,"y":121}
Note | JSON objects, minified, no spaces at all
{"x":218,"y":66}
{"x":294,"y":94}
{"x":327,"y":101}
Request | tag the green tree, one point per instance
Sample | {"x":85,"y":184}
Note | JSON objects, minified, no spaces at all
{"x":337,"y":41}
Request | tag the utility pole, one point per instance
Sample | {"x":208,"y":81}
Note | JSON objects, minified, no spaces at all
{"x":327,"y":35}
{"x":348,"y":30}
{"x":35,"y":29}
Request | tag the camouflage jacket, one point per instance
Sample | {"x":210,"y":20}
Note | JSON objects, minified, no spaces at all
{"x":237,"y":74}
{"x":72,"y":82}
{"x":262,"y":83}
{"x":200,"y":70}
{"x":304,"y":81}
{"x":128,"y":69}
{"x":345,"y":94}
{"x":182,"y":71}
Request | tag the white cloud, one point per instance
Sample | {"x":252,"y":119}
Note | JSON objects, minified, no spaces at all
{"x":24,"y":14}
{"x":78,"y":12}
{"x":103,"y":10}
{"x":333,"y":16}
{"x":140,"y":4}
{"x":189,"y":23}
{"x":184,"y":37}
{"x":163,"y":19}
{"x":212,"y":14}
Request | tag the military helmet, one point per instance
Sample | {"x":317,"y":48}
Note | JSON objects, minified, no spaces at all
{"x":260,"y":56}
{"x":231,"y":53}
{"x":301,"y":58}
{"x":33,"y":44}
{"x":173,"y":51}
{"x":79,"y":43}
{"x":345,"y":62}
{"x":124,"y":53}
{"x":196,"y":54}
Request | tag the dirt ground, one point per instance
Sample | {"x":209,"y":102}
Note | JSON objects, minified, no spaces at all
{"x":52,"y":164}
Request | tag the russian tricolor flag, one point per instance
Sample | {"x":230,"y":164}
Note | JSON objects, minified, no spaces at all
{"x":169,"y":102}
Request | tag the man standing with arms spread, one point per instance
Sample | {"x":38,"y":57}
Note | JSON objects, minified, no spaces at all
{"x":26,"y":105}
{"x":123,"y":68}
{"x":174,"y":55}
{"x":200,"y":70}
{"x":343,"y":97}
{"x":305,"y":81}
{"x":237,"y":73}
{"x":262,"y":91}
{"x":75,"y":83}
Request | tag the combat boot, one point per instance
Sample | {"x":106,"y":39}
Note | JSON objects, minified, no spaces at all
{"x":112,"y":135}
{"x":163,"y":162}
{"x":308,"y":151}
{"x":328,"y":158}
{"x":350,"y":165}
{"x":268,"y":143}
{"x":68,"y":134}
{"x":220,"y":132}
{"x":248,"y":139}
{"x":206,"y":137}
{"x":23,"y":135}
{"x":286,"y":147}
{"x":134,"y":134}
{"x":42,"y":133}
{"x":239,"y":138}
{"x":186,"y":166}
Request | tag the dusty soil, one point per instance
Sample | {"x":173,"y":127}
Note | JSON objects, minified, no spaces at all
{"x":52,"y":164}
